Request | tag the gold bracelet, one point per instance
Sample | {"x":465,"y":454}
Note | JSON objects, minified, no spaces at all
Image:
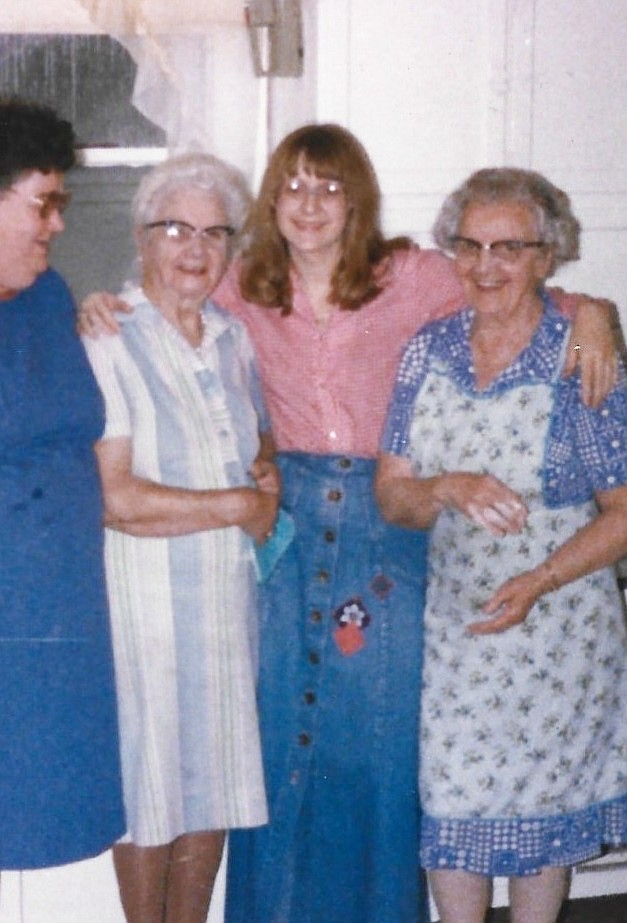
{"x":554,"y":583}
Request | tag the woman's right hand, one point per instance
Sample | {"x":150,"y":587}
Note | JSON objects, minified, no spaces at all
{"x":486,"y":500}
{"x":97,"y":312}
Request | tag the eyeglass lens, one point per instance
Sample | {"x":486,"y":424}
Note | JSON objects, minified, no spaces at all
{"x":52,"y":202}
{"x":327,"y":190}
{"x":465,"y":249}
{"x":48,"y":202}
{"x":182,"y":232}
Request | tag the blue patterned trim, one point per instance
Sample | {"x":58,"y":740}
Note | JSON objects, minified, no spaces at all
{"x":587,"y":448}
{"x":522,"y":845}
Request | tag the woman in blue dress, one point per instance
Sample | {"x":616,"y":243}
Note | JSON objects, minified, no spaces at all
{"x":60,"y":790}
{"x":524,"y":730}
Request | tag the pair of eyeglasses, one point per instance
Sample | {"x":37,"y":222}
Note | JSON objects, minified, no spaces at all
{"x":180,"y":232}
{"x":48,"y":202}
{"x":466,"y":250}
{"x":329,"y":190}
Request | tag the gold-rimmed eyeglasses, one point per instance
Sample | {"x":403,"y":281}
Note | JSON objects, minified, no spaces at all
{"x":47,"y":202}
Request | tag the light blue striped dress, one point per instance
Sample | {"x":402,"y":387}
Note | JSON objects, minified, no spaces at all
{"x":184,"y":609}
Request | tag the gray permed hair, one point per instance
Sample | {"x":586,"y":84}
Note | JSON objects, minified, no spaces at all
{"x":556,"y":223}
{"x":199,"y":171}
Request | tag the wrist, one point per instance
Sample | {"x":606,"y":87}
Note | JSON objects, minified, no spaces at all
{"x":549,"y":577}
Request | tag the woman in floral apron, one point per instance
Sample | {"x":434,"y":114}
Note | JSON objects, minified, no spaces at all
{"x":524,"y":731}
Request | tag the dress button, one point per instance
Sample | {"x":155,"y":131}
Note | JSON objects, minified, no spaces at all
{"x":314,"y":657}
{"x":334,"y":495}
{"x":304,"y":740}
{"x":309,"y":697}
{"x":345,"y":463}
{"x":323,"y":576}
{"x":316,"y":616}
{"x":329,"y":535}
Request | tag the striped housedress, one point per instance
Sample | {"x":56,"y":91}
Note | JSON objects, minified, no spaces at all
{"x":184,"y":608}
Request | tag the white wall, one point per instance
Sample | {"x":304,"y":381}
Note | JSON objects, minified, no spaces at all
{"x":437,"y":88}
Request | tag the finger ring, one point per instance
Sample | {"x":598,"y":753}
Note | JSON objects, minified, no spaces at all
{"x":577,"y":347}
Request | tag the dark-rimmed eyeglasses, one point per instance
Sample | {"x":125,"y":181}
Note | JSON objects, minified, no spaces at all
{"x":466,"y":250}
{"x":180,"y":232}
{"x":47,"y":202}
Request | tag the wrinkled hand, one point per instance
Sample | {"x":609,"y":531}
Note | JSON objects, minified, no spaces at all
{"x":97,"y":312}
{"x":596,"y":357}
{"x":509,"y":605}
{"x":263,"y":513}
{"x":488,"y":502}
{"x":266,"y":476}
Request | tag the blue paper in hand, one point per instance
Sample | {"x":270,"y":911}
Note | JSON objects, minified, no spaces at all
{"x":274,"y":547}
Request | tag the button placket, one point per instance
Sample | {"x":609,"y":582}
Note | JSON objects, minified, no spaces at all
{"x":319,"y":594}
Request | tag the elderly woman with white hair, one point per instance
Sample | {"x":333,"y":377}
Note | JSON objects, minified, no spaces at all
{"x":524,"y":697}
{"x":187,"y":494}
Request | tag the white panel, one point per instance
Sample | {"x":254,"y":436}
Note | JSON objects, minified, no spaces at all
{"x":581,"y":87}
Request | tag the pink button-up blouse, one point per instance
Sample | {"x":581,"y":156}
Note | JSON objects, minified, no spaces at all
{"x":327,"y":387}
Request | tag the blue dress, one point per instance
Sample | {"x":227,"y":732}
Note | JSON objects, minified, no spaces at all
{"x":60,"y":792}
{"x":341,"y":650}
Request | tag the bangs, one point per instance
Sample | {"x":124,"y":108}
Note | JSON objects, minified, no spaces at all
{"x":320,"y":168}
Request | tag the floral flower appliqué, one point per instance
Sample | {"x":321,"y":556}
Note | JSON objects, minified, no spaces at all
{"x":352,"y":619}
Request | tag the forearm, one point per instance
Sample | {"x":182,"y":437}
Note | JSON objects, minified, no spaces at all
{"x":410,"y":502}
{"x":602,"y":543}
{"x":145,"y":508}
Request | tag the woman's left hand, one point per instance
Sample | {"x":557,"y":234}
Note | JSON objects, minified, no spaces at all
{"x":510,"y":604}
{"x":592,"y":346}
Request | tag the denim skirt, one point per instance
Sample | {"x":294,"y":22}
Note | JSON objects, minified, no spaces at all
{"x":339,"y":684}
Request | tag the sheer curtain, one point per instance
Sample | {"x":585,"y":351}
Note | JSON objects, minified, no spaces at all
{"x":194,"y":72}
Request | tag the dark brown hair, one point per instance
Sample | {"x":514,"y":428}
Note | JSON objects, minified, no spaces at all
{"x":328,"y":152}
{"x":32,"y":137}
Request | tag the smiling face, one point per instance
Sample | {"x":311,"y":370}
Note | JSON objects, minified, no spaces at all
{"x":493,"y":285}
{"x":182,"y":274}
{"x":311,"y":214}
{"x":25,"y":235}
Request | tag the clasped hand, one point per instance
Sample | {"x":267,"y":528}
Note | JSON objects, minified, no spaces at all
{"x":494,"y":506}
{"x":267,"y":483}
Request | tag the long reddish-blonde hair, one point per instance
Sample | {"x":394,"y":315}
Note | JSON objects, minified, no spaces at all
{"x":328,"y":152}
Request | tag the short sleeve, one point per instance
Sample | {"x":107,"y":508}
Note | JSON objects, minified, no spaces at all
{"x":587,"y":451}
{"x":106,"y":355}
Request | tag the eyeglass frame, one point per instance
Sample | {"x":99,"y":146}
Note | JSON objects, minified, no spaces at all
{"x":293,"y":187}
{"x":191,"y":233}
{"x":517,"y":247}
{"x":57,"y":200}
